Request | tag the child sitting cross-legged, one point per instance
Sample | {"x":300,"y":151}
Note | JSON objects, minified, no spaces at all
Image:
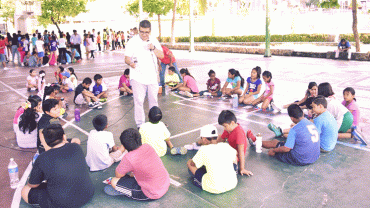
{"x":172,"y":79}
{"x":101,"y":150}
{"x":302,"y":146}
{"x":156,"y":134}
{"x":143,"y":166}
{"x":210,"y":170}
{"x":67,"y":85}
{"x":213,"y":85}
{"x":99,"y":89}
{"x":83,"y":95}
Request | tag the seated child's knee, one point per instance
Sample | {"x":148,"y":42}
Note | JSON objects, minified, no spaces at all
{"x":76,"y":140}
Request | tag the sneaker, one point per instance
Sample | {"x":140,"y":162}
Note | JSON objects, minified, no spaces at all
{"x":192,"y":146}
{"x":179,"y":151}
{"x":92,"y":105}
{"x":188,"y":94}
{"x":103,"y":100}
{"x":274,"y":108}
{"x":357,"y":135}
{"x":46,"y":65}
{"x":6,"y":68}
{"x":251,"y":138}
{"x":181,"y":92}
{"x":98,"y":105}
{"x":108,"y":189}
{"x":255,"y":107}
{"x":275,"y":129}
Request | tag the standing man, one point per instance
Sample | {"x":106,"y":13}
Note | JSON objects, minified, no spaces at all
{"x":76,"y":41}
{"x":343,"y":46}
{"x":141,"y":55}
{"x":46,"y":39}
{"x":168,"y":59}
{"x":14,"y":43}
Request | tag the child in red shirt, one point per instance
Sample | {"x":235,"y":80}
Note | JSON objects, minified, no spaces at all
{"x":235,"y":136}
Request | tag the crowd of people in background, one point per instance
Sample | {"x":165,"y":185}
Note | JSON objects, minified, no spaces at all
{"x":49,"y":48}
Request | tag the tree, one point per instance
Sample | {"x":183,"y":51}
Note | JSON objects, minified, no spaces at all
{"x":152,"y":7}
{"x":335,"y":4}
{"x":56,"y":11}
{"x":173,"y":22}
{"x":354,"y":25}
{"x":8,"y":10}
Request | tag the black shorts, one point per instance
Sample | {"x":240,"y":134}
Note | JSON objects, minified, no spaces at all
{"x":39,"y":197}
{"x":105,"y":42}
{"x":129,"y":187}
{"x":197,"y":181}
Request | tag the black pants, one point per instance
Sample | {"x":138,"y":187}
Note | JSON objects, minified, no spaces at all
{"x":113,"y":45}
{"x":99,"y":47}
{"x":62,"y":54}
{"x":92,"y":54}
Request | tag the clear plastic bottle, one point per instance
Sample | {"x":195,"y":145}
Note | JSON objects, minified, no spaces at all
{"x":13,"y":173}
{"x":259,"y":143}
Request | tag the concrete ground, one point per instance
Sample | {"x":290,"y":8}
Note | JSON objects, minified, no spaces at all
{"x":337,"y":179}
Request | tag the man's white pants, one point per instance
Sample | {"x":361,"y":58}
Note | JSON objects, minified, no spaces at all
{"x":140,"y":91}
{"x":348,"y":51}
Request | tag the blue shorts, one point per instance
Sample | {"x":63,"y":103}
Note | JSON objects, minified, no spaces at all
{"x":287,"y":157}
{"x":2,"y":57}
{"x":40,"y":55}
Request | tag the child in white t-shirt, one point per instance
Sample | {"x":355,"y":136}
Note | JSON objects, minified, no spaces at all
{"x":101,"y":150}
{"x":156,"y":134}
{"x":67,"y":85}
{"x":32,"y":80}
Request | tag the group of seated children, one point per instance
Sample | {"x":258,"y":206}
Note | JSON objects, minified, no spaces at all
{"x":248,"y":95}
{"x":91,"y":94}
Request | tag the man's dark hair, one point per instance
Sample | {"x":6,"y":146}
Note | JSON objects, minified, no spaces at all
{"x":343,"y":40}
{"x":145,"y":24}
{"x":100,"y":122}
{"x":325,"y":89}
{"x":74,"y":30}
{"x":130,"y":139}
{"x":295,"y":111}
{"x":227,"y":117}
{"x":97,"y":76}
{"x":87,"y":80}
{"x":155,"y":115}
{"x":320,"y":100}
{"x":53,"y":134}
{"x":48,"y":104}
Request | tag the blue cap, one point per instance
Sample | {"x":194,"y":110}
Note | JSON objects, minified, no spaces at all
{"x":66,"y":74}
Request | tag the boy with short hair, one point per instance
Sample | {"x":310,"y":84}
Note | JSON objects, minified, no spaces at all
{"x":325,"y":124}
{"x":68,"y":183}
{"x":213,"y":166}
{"x":99,"y":89}
{"x":235,"y":136}
{"x":51,"y":115}
{"x":172,"y":79}
{"x":302,"y":146}
{"x":67,"y":85}
{"x":101,"y":150}
{"x":146,"y":169}
{"x":83,"y":95}
{"x":156,"y":134}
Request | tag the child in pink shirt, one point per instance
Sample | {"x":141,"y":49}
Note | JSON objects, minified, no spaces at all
{"x":141,"y":174}
{"x":266,"y":97}
{"x":350,"y":103}
{"x":124,"y":86}
{"x":189,"y":87}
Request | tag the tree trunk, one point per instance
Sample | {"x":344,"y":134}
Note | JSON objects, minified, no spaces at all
{"x":159,"y":27}
{"x":173,"y":23}
{"x":354,"y":25}
{"x":56,"y":24}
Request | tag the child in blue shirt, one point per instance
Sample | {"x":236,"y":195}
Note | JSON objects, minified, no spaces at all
{"x":302,"y":146}
{"x":99,"y":89}
{"x":236,"y":81}
{"x":325,"y":123}
{"x":253,"y":87}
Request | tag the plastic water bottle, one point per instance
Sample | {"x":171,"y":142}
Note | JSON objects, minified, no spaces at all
{"x":77,"y":115}
{"x":259,"y":143}
{"x":13,"y":174}
{"x":235,"y":101}
{"x":167,"y":90}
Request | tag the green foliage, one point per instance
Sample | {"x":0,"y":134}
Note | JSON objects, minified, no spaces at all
{"x":364,"y":37}
{"x":56,"y":11}
{"x":152,"y":7}
{"x":8,"y":10}
{"x":257,"y":38}
{"x":313,"y":3}
{"x":329,"y":4}
{"x":183,"y":7}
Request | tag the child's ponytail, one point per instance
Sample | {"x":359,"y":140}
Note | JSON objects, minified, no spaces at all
{"x":186,"y":71}
{"x":242,"y":79}
{"x":27,"y":120}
